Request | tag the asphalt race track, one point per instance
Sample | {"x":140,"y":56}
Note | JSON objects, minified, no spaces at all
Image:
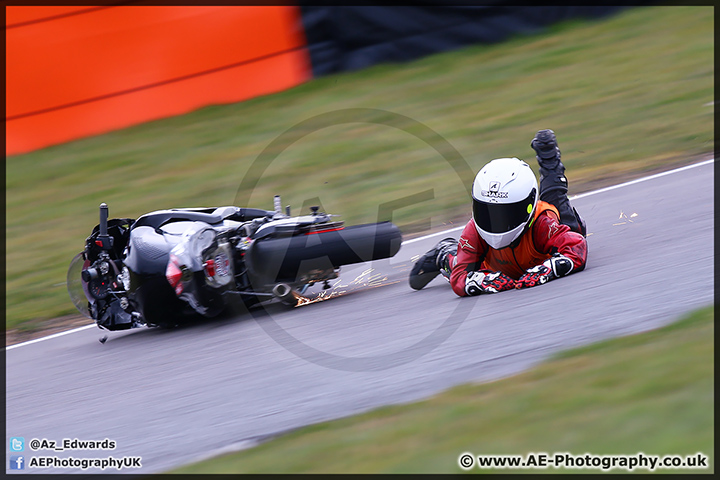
{"x":173,"y":397}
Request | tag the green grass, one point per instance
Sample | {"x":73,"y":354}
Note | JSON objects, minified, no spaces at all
{"x":626,"y":95}
{"x":652,"y":393}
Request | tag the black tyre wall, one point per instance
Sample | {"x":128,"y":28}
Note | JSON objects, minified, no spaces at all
{"x":353,"y":37}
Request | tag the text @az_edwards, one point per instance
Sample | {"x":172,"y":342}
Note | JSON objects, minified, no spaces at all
{"x":71,"y":444}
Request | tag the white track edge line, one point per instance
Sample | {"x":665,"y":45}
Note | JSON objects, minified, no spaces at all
{"x":54,"y":335}
{"x":586,"y":194}
{"x":425,"y":237}
{"x":444,"y":232}
{"x":638,"y":180}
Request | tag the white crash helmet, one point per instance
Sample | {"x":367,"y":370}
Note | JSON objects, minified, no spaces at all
{"x":505,"y":194}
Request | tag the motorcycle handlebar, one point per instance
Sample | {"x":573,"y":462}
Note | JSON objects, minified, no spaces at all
{"x":103,"y":219}
{"x":106,"y":241}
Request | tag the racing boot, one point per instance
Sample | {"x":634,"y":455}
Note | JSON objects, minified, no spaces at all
{"x":435,"y":261}
{"x":553,"y":183}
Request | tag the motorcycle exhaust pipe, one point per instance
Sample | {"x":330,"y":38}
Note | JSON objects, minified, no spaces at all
{"x":286,"y":260}
{"x":285,"y":294}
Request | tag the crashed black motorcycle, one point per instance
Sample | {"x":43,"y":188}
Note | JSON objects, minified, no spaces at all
{"x":164,"y":265}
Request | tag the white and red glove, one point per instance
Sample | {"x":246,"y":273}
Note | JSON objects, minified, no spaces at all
{"x":554,"y":267}
{"x":487,"y":281}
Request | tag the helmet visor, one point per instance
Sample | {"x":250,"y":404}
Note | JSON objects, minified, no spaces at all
{"x":502,"y":217}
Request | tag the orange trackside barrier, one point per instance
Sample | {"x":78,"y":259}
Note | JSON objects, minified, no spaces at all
{"x":73,"y":72}
{"x":17,"y":16}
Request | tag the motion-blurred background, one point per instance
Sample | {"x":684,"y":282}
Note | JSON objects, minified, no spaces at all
{"x":150,"y":107}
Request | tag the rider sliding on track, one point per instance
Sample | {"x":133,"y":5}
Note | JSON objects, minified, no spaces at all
{"x":514,"y":239}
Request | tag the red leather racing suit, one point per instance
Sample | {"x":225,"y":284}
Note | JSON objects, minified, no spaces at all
{"x":545,"y":236}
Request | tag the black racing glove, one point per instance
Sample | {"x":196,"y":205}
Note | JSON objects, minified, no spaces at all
{"x":487,"y":281}
{"x":554,"y":267}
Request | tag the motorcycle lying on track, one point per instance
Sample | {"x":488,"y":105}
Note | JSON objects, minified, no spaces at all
{"x":153,"y":270}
